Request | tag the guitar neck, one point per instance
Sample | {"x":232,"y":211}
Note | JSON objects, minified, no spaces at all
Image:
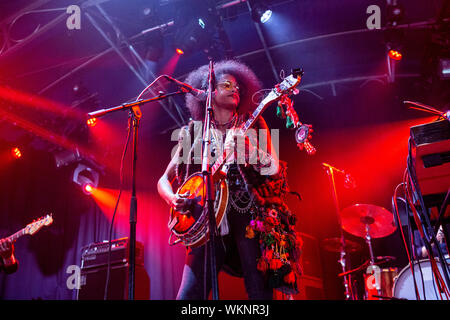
{"x":16,"y":235}
{"x":251,"y":120}
{"x":247,"y":125}
{"x":275,"y":94}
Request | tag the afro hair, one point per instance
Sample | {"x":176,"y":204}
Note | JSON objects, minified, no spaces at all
{"x":246,"y":78}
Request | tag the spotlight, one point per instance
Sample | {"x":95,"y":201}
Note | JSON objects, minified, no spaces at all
{"x":91,"y":122}
{"x":260,"y":11}
{"x":201,"y":23}
{"x":88,"y":188}
{"x":86,"y":177}
{"x":394,"y":54}
{"x":16,"y":152}
{"x":195,"y":25}
{"x":179,"y":51}
{"x":393,"y":38}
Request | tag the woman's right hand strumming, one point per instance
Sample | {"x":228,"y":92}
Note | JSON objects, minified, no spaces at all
{"x":180,"y":202}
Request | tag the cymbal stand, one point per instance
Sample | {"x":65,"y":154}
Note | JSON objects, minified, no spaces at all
{"x":343,"y":254}
{"x":367,"y":221}
{"x":373,"y":268}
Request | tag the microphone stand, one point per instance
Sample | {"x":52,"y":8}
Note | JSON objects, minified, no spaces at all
{"x":346,"y":276}
{"x":207,"y":182}
{"x":135,"y":115}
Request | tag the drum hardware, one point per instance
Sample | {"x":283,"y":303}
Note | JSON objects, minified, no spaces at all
{"x":369,"y":221}
{"x":335,"y":245}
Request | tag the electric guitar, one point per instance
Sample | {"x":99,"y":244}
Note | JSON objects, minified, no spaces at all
{"x":191,"y":227}
{"x":32,"y":227}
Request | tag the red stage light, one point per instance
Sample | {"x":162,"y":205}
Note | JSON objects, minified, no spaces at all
{"x":87,"y":188}
{"x":179,"y":51}
{"x":16,"y":153}
{"x":394,"y":54}
{"x":91,"y":122}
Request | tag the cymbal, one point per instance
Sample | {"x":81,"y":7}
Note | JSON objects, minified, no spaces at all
{"x":334,"y":245}
{"x":380,"y":222}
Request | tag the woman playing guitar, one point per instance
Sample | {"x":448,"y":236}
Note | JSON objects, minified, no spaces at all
{"x":252,"y":172}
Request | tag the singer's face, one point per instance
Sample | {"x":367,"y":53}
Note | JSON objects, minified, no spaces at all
{"x":227,"y":93}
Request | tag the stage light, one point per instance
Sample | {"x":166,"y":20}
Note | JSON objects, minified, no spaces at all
{"x":86,"y":177}
{"x":91,"y":122}
{"x":88,"y":188}
{"x":195,"y":25}
{"x":179,"y":51}
{"x":16,"y":153}
{"x":260,"y":11}
{"x":444,"y":69}
{"x":394,"y":54}
{"x":201,"y":23}
{"x":266,"y":16}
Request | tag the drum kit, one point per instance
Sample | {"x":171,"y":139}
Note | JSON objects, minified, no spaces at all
{"x":370,"y":222}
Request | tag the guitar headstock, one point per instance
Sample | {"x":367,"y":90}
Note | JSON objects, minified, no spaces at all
{"x":290,"y":82}
{"x":35,"y":226}
{"x":285,"y":87}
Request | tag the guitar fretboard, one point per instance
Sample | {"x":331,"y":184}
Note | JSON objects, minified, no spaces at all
{"x":247,"y":125}
{"x":16,"y":235}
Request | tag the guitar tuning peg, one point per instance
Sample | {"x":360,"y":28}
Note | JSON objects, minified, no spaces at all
{"x":295,"y":91}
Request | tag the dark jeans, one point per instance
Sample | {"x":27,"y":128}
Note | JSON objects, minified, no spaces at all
{"x":192,"y":284}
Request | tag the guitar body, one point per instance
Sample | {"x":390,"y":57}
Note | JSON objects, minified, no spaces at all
{"x":191,"y":226}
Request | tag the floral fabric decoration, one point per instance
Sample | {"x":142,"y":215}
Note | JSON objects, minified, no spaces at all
{"x":274,"y":224}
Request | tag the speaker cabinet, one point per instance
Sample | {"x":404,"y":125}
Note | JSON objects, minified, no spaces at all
{"x":93,"y":282}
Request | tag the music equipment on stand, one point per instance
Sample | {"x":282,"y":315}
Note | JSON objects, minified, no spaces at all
{"x":190,"y":227}
{"x":431,"y":158}
{"x":134,"y":115}
{"x":94,"y":264}
{"x":369,"y":221}
{"x":349,"y":294}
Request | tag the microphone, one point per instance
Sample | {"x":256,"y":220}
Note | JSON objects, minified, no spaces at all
{"x":349,"y":181}
{"x":198,"y":93}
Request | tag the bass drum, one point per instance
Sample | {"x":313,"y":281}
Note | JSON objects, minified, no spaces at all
{"x":426,"y":284}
